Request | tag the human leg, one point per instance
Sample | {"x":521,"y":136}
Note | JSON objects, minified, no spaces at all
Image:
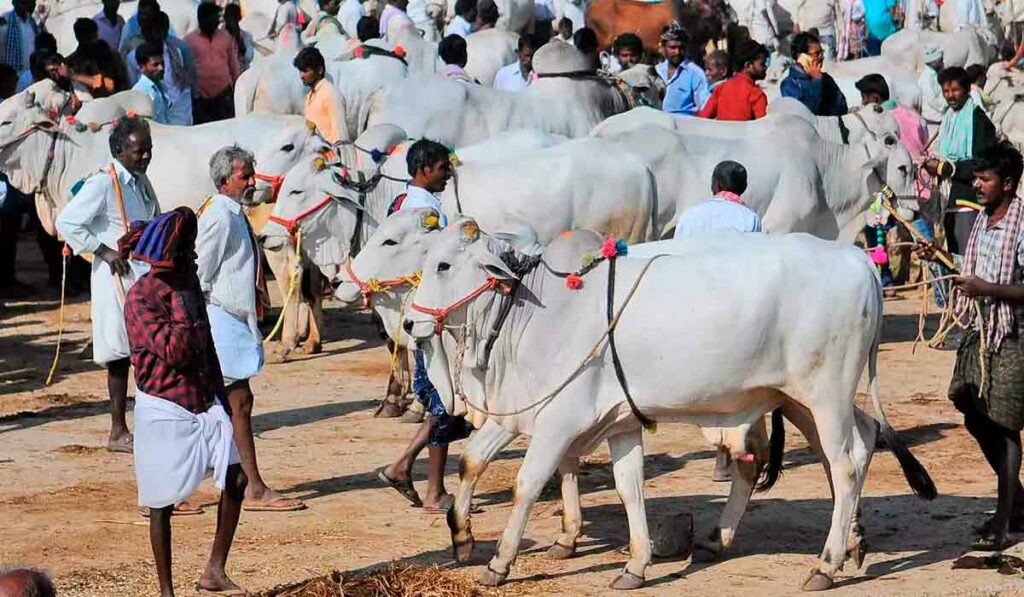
{"x":160,"y":540}
{"x":214,"y":577}
{"x":120,"y":439}
{"x":258,"y":496}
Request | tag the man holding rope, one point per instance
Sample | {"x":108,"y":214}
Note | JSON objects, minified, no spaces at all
{"x":92,"y":222}
{"x":988,"y":379}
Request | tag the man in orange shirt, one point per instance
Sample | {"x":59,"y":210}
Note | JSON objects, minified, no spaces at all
{"x":740,"y":98}
{"x":323,"y":102}
{"x":217,"y":67}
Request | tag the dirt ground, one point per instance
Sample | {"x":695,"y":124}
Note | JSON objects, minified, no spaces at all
{"x":68,"y":506}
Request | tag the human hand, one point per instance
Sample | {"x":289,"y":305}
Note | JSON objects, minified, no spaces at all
{"x":972,"y":286}
{"x":925,"y":250}
{"x":930,"y":165}
{"x":118,"y":266}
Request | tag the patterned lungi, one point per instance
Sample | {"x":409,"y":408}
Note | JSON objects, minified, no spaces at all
{"x":1002,"y":400}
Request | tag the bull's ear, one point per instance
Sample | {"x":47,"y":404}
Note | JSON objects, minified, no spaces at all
{"x":496,"y":268}
{"x":522,"y":237}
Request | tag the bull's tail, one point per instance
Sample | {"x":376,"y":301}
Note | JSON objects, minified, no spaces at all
{"x":917,"y":477}
{"x":776,"y":449}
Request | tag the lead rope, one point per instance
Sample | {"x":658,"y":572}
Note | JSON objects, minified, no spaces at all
{"x":64,"y":254}
{"x":591,"y":355}
{"x":293,"y":285}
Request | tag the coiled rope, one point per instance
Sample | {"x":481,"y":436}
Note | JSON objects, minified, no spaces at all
{"x":293,"y":285}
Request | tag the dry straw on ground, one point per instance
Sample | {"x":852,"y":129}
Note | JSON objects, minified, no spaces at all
{"x":394,"y":580}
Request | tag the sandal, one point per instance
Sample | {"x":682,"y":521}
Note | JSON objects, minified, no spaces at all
{"x":985,"y":528}
{"x":404,"y":487}
{"x":990,"y":542}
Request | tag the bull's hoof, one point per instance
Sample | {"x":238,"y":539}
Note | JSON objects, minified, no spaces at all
{"x":310,"y":348}
{"x":389,"y":409}
{"x":627,"y":581}
{"x":413,"y":414}
{"x":276,"y":355}
{"x":561,"y":552}
{"x":818,"y":581}
{"x":704,"y":554}
{"x":490,"y":578}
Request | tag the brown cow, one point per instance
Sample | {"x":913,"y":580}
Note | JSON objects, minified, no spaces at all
{"x":611,"y":18}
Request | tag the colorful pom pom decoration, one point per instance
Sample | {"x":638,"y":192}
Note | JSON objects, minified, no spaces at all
{"x":399,"y":51}
{"x":376,"y":155}
{"x":360,"y":51}
{"x":573,"y":282}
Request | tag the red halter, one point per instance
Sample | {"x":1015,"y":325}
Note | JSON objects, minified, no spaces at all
{"x":292,"y":224}
{"x":440,"y":315}
{"x":275,"y":184}
{"x":372,"y":286}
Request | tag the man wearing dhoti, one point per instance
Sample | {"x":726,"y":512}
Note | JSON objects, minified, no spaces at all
{"x":91,"y":224}
{"x":230,"y":275}
{"x":182,"y":429}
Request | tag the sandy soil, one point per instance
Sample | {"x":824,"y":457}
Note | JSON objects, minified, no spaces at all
{"x":69,"y":506}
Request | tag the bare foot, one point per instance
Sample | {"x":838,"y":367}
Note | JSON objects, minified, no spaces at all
{"x":218,"y":582}
{"x":121,"y":442}
{"x":438,"y":504}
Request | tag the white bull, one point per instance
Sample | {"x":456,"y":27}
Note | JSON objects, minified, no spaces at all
{"x":456,"y":114}
{"x":960,"y":48}
{"x":569,"y":401}
{"x":586,"y":182}
{"x":813,"y":186}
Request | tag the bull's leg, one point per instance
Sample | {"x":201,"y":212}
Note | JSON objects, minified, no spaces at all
{"x":837,"y":428}
{"x":627,"y":450}
{"x":483,"y":446}
{"x":572,"y":517}
{"x":800,"y":416}
{"x":744,"y":478}
{"x":863,"y":450}
{"x":313,"y":301}
{"x":546,"y":451}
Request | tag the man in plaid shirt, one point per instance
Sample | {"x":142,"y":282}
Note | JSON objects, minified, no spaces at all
{"x":182,"y":430}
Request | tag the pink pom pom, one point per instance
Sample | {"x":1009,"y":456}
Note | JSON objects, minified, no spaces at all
{"x":608,"y":249}
{"x":879,"y":255}
{"x":573,"y":282}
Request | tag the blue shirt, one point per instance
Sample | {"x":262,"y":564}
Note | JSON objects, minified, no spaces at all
{"x":155,"y":91}
{"x":687,"y":90}
{"x":878,"y":18}
{"x":822,"y":96}
{"x":717,"y":214}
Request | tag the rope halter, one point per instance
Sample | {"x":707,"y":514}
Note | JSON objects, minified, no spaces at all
{"x":275,"y":183}
{"x":292,"y":224}
{"x":372,"y":286}
{"x":442,"y":313}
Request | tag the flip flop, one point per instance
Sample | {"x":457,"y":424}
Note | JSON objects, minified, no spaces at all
{"x":404,"y":487}
{"x":236,"y":592}
{"x":182,"y":509}
{"x":286,"y":505}
{"x":446,"y":504}
{"x":991,"y":543}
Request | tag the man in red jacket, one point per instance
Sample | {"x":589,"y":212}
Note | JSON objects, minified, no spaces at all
{"x":740,"y":98}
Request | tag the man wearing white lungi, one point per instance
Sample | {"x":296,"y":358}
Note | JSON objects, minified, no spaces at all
{"x":229,"y":270}
{"x":91,"y":224}
{"x":182,"y":429}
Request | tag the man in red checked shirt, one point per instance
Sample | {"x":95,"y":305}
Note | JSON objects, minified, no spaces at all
{"x":740,"y":98}
{"x":182,"y":429}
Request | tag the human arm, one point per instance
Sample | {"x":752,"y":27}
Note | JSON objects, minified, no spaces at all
{"x":759,"y":103}
{"x":234,"y":66}
{"x":211,"y":247}
{"x":701,"y":89}
{"x":1012,"y":62}
{"x":809,"y":94}
{"x":973,"y":286}
{"x":838,"y":107}
{"x":160,"y":323}
{"x":710,"y":109}
{"x":78,"y":216}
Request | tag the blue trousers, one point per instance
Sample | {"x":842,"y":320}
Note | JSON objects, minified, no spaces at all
{"x":445,"y":428}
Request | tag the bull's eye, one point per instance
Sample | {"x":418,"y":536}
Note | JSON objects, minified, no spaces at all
{"x":288,"y":147}
{"x":443,"y":267}
{"x":389,"y":243}
{"x":890,"y":140}
{"x":296,"y":192}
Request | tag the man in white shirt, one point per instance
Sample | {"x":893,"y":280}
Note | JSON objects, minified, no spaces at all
{"x":465,"y":14}
{"x":725,"y":210}
{"x":228,"y":261}
{"x":430,"y":167}
{"x":516,"y":76}
{"x":92,"y":222}
{"x":933,"y":105}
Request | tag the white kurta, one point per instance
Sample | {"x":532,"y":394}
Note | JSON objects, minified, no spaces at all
{"x":174,"y":449}
{"x":227,"y":269}
{"x":93,"y":218}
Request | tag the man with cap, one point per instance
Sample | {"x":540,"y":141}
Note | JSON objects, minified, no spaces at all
{"x":686,"y":87}
{"x":932,"y":102}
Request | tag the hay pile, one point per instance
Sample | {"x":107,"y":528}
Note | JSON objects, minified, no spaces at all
{"x":394,"y":580}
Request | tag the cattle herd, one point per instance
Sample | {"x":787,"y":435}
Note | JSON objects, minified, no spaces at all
{"x":542,"y":177}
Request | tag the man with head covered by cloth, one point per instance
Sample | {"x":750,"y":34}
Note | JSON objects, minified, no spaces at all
{"x":183,"y":430}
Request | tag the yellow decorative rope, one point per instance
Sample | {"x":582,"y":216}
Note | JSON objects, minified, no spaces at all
{"x":293,"y":285}
{"x":60,"y":320}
